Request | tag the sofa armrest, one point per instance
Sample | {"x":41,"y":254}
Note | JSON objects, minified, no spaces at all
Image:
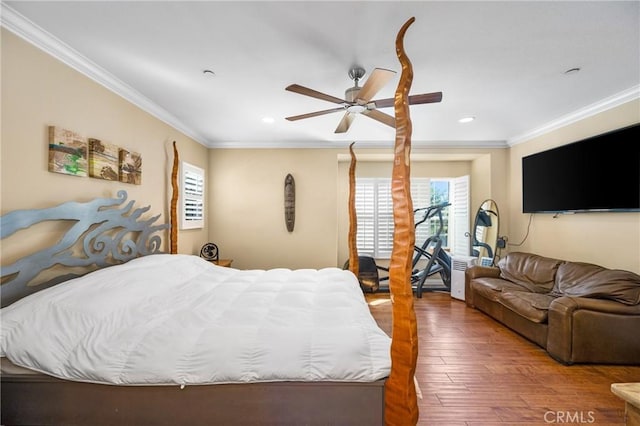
{"x":477,"y":271}
{"x":593,"y":330}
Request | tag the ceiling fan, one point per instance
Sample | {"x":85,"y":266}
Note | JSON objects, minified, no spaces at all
{"x":357,"y":100}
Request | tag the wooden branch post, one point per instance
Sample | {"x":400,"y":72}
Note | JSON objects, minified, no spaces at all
{"x":174,"y":201}
{"x":401,"y":405}
{"x":354,"y":262}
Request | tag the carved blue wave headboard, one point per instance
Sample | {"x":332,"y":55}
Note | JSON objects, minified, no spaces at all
{"x":107,"y":230}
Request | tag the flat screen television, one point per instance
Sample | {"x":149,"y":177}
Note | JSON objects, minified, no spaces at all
{"x":600,"y":173}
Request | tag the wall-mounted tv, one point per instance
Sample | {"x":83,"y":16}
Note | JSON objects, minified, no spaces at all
{"x":601,"y":173}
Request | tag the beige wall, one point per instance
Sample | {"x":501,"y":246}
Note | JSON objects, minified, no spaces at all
{"x":489,"y":181}
{"x":246,"y":207}
{"x":246,"y":201}
{"x":38,"y":91}
{"x":608,"y":239}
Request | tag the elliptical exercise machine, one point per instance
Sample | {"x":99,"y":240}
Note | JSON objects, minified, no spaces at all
{"x":437,"y":259}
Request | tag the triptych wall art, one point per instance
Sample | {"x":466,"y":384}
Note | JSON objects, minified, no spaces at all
{"x":73,"y":154}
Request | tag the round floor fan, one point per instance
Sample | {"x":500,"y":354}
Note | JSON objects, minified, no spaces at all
{"x":209,"y":251}
{"x":357,"y":100}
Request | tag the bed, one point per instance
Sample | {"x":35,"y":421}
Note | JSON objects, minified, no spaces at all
{"x":193,"y":341}
{"x":324,"y":361}
{"x":159,"y":338}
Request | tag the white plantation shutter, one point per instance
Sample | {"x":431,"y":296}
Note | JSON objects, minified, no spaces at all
{"x":385,"y":219}
{"x":374,"y":211}
{"x":365,"y":213}
{"x":192,"y":194}
{"x":459,"y":227}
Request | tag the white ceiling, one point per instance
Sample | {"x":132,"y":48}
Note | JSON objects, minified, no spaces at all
{"x":502,"y":62}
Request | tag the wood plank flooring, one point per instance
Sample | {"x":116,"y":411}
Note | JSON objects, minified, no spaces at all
{"x":473,"y":371}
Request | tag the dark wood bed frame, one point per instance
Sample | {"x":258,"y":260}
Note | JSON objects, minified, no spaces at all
{"x":32,"y":398}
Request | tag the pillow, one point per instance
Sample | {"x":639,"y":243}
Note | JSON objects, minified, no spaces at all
{"x":531,"y":271}
{"x":593,"y":281}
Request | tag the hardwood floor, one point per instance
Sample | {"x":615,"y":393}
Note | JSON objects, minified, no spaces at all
{"x":474,"y":371}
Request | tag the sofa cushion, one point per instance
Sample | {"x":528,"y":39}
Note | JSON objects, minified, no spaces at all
{"x":532,"y":306}
{"x":536,"y":273}
{"x":490,"y":288}
{"x":588,"y":280}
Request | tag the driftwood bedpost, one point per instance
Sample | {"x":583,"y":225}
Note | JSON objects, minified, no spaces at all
{"x":401,"y":405}
{"x":174,"y":201}
{"x":354,"y":262}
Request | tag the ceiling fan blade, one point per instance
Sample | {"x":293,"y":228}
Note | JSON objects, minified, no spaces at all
{"x":381,"y":117}
{"x":345,"y":123}
{"x":425,"y":98}
{"x":296,"y":88}
{"x":314,"y":114}
{"x":376,"y":81}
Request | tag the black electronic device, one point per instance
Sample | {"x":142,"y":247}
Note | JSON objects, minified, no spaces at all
{"x":600,"y":173}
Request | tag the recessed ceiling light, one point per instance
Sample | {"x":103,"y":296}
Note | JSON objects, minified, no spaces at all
{"x":208,"y":73}
{"x":572,"y":71}
{"x":466,"y":120}
{"x":268,"y":120}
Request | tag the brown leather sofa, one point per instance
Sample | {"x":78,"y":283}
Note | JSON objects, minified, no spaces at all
{"x":578,"y":312}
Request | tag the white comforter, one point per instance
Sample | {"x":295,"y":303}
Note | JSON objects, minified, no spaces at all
{"x":177,"y":319}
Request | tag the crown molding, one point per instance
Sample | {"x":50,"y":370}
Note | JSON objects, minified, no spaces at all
{"x":414,"y":156}
{"x":314,"y":144}
{"x":43,"y":40}
{"x":613,"y":101}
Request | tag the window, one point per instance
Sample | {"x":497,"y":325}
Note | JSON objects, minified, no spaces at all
{"x":374,"y":210}
{"x":192,"y":196}
{"x":439,"y":194}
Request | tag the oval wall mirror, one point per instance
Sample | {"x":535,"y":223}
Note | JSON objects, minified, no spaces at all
{"x":485,"y":233}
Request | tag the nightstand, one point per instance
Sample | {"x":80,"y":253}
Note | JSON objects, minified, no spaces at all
{"x":223,"y":262}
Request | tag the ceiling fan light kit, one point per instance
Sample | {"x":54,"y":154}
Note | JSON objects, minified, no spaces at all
{"x":358,"y":100}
